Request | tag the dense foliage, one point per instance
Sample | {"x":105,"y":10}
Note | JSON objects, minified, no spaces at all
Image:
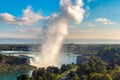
{"x":103,"y":64}
{"x":12,"y":63}
{"x":96,"y":69}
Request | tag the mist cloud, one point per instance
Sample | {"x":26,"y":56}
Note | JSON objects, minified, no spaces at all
{"x":72,"y":11}
{"x":56,"y":29}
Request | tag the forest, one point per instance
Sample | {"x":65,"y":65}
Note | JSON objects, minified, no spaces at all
{"x":104,"y":64}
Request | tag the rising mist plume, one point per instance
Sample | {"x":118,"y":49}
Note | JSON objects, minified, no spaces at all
{"x":56,"y":29}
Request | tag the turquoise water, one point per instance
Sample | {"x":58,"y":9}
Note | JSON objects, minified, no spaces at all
{"x":13,"y":75}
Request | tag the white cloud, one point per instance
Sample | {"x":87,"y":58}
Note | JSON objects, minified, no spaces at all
{"x":79,"y":34}
{"x":90,"y":24}
{"x":6,"y":17}
{"x":24,"y":33}
{"x":104,"y":20}
{"x":17,"y":35}
{"x":93,"y":34}
{"x":28,"y":18}
{"x":30,"y":30}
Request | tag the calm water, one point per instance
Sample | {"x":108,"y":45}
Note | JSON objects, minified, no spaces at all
{"x":13,"y":75}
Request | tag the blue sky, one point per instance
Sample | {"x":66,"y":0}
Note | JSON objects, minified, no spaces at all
{"x":101,"y":20}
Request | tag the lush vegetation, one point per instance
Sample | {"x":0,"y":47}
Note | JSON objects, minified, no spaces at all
{"x":110,"y":54}
{"x":12,"y":63}
{"x":50,"y":73}
{"x":96,"y":69}
{"x":15,"y":47}
{"x":13,"y":67}
{"x":103,"y":64}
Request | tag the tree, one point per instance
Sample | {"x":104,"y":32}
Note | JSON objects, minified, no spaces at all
{"x":83,"y":69}
{"x":23,"y":77}
{"x":84,"y":77}
{"x":97,"y":65}
{"x":99,"y":76}
{"x":53,"y":69}
{"x":115,"y":73}
{"x":50,"y":76}
{"x":73,"y":75}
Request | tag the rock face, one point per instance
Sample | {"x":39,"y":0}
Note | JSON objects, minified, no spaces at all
{"x":14,"y":60}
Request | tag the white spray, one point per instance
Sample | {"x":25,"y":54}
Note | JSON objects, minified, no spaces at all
{"x":56,"y":30}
